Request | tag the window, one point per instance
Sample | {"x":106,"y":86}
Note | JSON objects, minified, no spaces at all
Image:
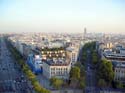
{"x":52,"y":69}
{"x":66,"y":69}
{"x":51,"y":73}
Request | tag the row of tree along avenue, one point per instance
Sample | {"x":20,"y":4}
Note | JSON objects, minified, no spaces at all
{"x":105,"y":74}
{"x":104,"y":69}
{"x":25,"y":68}
{"x":76,"y":78}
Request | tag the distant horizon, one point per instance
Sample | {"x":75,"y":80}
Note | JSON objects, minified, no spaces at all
{"x":21,"y":32}
{"x":67,"y":16}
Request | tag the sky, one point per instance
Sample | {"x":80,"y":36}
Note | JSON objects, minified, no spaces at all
{"x":101,"y":16}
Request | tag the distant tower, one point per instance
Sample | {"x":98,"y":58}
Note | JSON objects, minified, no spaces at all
{"x":85,"y":32}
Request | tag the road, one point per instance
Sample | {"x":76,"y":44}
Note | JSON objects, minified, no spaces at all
{"x":44,"y":81}
{"x":12,"y":79}
{"x":90,"y":75}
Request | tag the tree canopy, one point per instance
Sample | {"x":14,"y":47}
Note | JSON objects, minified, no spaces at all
{"x":102,"y":83}
{"x":75,"y":72}
{"x":56,"y":82}
{"x":105,"y":71}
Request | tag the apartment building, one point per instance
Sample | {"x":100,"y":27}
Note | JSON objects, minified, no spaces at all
{"x":56,"y":68}
{"x":119,"y":71}
{"x":72,"y":54}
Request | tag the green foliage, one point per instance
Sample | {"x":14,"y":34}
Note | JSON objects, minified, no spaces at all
{"x":75,"y":73}
{"x":81,"y":80}
{"x":84,"y":55}
{"x":94,"y":57}
{"x":82,"y":69}
{"x":102,"y":83}
{"x":26,"y":69}
{"x":56,"y":83}
{"x":105,"y":71}
{"x":77,"y":76}
{"x":91,"y":46}
{"x":81,"y":84}
{"x":119,"y":85}
{"x":30,"y":74}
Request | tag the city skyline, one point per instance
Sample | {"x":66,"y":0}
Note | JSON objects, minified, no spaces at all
{"x":106,"y":16}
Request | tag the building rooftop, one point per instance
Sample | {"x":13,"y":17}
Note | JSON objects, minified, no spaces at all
{"x":58,"y":62}
{"x":112,"y":54}
{"x":122,"y":49}
{"x":36,"y":58}
{"x":120,"y":65}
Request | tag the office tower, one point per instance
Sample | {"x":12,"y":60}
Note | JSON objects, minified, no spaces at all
{"x":85,"y":32}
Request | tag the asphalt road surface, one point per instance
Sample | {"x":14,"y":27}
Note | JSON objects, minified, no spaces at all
{"x":12,"y":80}
{"x":90,"y":75}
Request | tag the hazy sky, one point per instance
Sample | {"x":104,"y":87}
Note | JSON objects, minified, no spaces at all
{"x":62,"y":15}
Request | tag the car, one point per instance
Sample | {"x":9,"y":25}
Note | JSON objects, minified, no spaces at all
{"x":14,"y":81}
{"x":88,"y":68}
{"x":22,"y":76}
{"x":23,"y":80}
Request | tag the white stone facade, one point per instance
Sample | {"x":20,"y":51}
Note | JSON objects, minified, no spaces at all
{"x":59,"y":71}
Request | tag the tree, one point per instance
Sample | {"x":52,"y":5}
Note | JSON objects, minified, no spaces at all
{"x":30,"y":74}
{"x":102,"y":83}
{"x":81,"y":80}
{"x":56,"y":83}
{"x":119,"y":85}
{"x":105,"y":71}
{"x":84,"y":56}
{"x":25,"y":68}
{"x":74,"y":76}
{"x":94,"y":57}
{"x":81,"y":83}
{"x":82,"y":69}
{"x":75,"y":72}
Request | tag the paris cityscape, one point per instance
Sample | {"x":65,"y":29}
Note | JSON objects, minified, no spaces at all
{"x":70,"y":46}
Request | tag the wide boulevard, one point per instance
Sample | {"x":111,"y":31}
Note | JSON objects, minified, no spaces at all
{"x":12,"y":79}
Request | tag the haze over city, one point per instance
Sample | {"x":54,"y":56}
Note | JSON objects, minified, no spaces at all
{"x":62,"y":16}
{"x":62,"y":46}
